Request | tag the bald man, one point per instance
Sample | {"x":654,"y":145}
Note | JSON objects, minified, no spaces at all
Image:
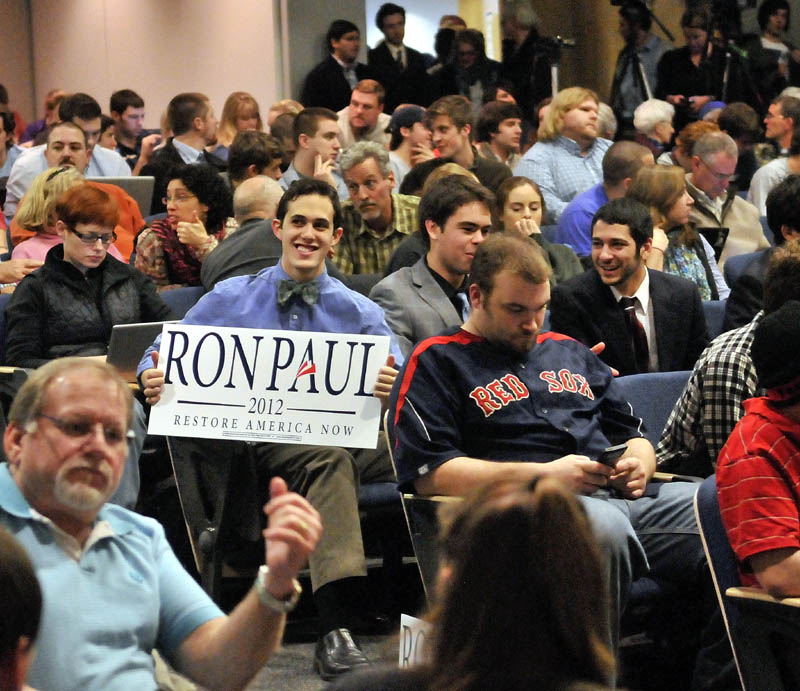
{"x":253,"y":247}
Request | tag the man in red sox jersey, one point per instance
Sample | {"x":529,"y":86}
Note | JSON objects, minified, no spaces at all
{"x":497,"y":397}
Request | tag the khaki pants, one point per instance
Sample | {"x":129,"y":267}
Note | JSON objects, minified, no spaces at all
{"x":329,"y":478}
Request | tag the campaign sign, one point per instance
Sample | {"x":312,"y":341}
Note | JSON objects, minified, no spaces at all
{"x":292,"y":387}
{"x":413,"y":633}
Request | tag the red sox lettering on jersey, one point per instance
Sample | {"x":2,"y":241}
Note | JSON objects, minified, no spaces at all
{"x":509,"y":388}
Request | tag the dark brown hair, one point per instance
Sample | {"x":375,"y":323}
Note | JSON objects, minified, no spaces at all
{"x":525,"y":604}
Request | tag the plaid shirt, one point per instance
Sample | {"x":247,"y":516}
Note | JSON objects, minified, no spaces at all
{"x":363,"y":251}
{"x":711,"y":404}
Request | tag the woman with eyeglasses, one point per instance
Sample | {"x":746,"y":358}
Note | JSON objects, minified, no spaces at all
{"x":172,"y":250}
{"x":69,"y":305}
{"x":36,"y":212}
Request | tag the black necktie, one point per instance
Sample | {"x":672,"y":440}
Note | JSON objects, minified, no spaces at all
{"x":287,"y":289}
{"x":399,"y":59}
{"x":637,"y":334}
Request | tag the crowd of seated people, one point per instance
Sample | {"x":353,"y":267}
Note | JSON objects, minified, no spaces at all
{"x":412,"y":162}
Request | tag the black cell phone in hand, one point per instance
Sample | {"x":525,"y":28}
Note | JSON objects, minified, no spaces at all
{"x":611,"y":454}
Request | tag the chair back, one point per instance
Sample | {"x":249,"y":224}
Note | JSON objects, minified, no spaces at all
{"x":720,"y":556}
{"x":218,"y":492}
{"x":767,"y":230}
{"x":653,"y":396}
{"x":181,"y":300}
{"x":735,"y":266}
{"x":422,"y":518}
{"x":714,"y":311}
{"x":4,"y":298}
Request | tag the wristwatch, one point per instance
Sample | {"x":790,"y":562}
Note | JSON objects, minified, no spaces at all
{"x":269,"y":600}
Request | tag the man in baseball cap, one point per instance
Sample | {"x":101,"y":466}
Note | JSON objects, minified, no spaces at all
{"x":411,"y":140}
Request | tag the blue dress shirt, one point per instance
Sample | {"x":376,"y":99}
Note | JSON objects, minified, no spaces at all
{"x":291,"y":174}
{"x":252,"y":302}
{"x":575,"y":225}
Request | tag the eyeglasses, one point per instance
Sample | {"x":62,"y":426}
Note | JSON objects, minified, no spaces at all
{"x":720,"y":176}
{"x":773,"y":116}
{"x":83,"y":428}
{"x":91,"y":238}
{"x":178,"y":199}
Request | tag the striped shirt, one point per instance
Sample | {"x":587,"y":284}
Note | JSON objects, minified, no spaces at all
{"x":562,"y":170}
{"x":758,"y":484}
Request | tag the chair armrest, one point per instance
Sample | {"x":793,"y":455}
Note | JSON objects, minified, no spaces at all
{"x":438,"y":498}
{"x":660,"y":476}
{"x":745,"y":593}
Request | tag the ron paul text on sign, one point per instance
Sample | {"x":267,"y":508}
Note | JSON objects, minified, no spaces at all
{"x":263,"y":385}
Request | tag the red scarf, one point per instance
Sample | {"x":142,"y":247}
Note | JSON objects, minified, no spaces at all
{"x":183,"y":264}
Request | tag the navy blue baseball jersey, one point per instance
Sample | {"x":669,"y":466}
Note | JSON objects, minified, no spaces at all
{"x":458,"y":395}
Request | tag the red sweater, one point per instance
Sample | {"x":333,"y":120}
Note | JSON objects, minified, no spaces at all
{"x":758,"y":484}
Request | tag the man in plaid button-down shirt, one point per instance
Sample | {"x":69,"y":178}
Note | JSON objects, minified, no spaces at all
{"x":723,"y":377}
{"x":376,"y":220}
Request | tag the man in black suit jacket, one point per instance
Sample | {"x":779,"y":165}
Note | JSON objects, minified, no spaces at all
{"x":331,"y":82}
{"x":194,"y":126}
{"x":666,"y":308}
{"x":400,"y":69}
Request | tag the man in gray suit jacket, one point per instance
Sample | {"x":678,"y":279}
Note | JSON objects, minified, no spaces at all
{"x":426,"y":298}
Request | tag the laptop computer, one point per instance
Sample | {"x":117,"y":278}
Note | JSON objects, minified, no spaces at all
{"x":128,"y":343}
{"x":139,"y":187}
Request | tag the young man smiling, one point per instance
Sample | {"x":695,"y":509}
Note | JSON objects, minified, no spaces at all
{"x":649,"y":321}
{"x":297,"y":294}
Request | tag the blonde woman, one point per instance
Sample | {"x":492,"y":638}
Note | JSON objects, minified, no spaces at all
{"x":36,"y":213}
{"x":239,"y":114}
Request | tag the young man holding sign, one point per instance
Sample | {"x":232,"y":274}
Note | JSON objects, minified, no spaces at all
{"x":298,"y":295}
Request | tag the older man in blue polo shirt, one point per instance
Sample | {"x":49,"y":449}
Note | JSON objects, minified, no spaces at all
{"x":113,"y":589}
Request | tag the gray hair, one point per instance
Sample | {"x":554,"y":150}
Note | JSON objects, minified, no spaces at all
{"x":30,"y":399}
{"x":256,"y":195}
{"x":522,"y":12}
{"x":606,"y":121}
{"x":649,"y":113}
{"x":360,"y":152}
{"x":714,"y":143}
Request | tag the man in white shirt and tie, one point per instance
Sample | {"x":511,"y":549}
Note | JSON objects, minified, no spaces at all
{"x":649,"y":321}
